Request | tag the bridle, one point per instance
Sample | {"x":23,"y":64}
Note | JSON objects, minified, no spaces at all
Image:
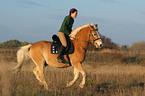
{"x":93,"y":36}
{"x":90,"y":34}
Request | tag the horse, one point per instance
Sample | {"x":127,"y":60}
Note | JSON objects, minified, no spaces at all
{"x":40,"y":53}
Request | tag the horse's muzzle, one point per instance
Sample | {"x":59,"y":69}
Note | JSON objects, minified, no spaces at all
{"x":101,"y":45}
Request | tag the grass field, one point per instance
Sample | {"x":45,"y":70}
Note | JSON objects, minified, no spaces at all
{"x":108,"y":74}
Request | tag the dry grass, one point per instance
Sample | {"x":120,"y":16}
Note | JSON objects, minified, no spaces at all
{"x":112,"y":78}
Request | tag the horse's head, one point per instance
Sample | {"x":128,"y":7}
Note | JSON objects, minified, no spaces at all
{"x":95,"y":36}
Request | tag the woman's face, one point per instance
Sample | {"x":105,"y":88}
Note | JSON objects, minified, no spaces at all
{"x":74,"y":15}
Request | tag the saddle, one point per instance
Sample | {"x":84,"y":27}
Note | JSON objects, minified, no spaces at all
{"x":56,"y":44}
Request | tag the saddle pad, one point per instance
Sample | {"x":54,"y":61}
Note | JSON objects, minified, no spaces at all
{"x":55,"y":48}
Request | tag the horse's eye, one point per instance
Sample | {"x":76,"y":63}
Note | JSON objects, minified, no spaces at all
{"x":95,"y":34}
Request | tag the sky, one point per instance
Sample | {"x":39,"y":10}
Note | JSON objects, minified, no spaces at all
{"x":123,"y":21}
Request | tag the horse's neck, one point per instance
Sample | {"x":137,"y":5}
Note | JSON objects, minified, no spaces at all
{"x":83,"y":37}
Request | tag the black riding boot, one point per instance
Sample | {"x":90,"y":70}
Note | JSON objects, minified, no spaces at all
{"x":60,"y":57}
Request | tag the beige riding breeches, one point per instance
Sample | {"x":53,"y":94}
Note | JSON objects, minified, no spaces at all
{"x":62,"y":39}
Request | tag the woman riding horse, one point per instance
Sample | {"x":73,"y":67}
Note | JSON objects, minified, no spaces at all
{"x":64,"y":32}
{"x":40,"y":53}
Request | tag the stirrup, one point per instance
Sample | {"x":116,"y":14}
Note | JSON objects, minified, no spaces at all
{"x":59,"y":60}
{"x":62,"y":61}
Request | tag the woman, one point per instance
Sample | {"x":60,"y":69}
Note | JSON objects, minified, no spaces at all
{"x":64,"y":31}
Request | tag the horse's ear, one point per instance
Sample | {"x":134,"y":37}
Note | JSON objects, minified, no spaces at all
{"x":92,"y":25}
{"x":96,"y":25}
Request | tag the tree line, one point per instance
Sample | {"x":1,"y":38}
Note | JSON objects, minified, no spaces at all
{"x":13,"y":44}
{"x":108,"y":43}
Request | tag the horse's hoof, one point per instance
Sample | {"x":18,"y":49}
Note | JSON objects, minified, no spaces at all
{"x":46,"y":88}
{"x":81,"y":85}
{"x":68,"y":84}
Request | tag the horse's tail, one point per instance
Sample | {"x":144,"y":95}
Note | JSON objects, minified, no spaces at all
{"x":22,"y":54}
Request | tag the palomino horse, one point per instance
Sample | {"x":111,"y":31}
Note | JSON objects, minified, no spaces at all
{"x":40,"y":53}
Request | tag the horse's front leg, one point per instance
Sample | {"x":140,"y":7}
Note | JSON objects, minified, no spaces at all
{"x":84,"y":79}
{"x":76,"y":75}
{"x":78,"y":68}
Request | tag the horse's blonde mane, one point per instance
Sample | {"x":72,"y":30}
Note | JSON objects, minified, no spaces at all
{"x":75,"y":31}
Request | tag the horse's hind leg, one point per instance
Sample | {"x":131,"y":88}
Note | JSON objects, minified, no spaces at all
{"x":76,"y":75}
{"x":38,"y":71}
{"x":40,"y":76}
{"x":35,"y":71}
